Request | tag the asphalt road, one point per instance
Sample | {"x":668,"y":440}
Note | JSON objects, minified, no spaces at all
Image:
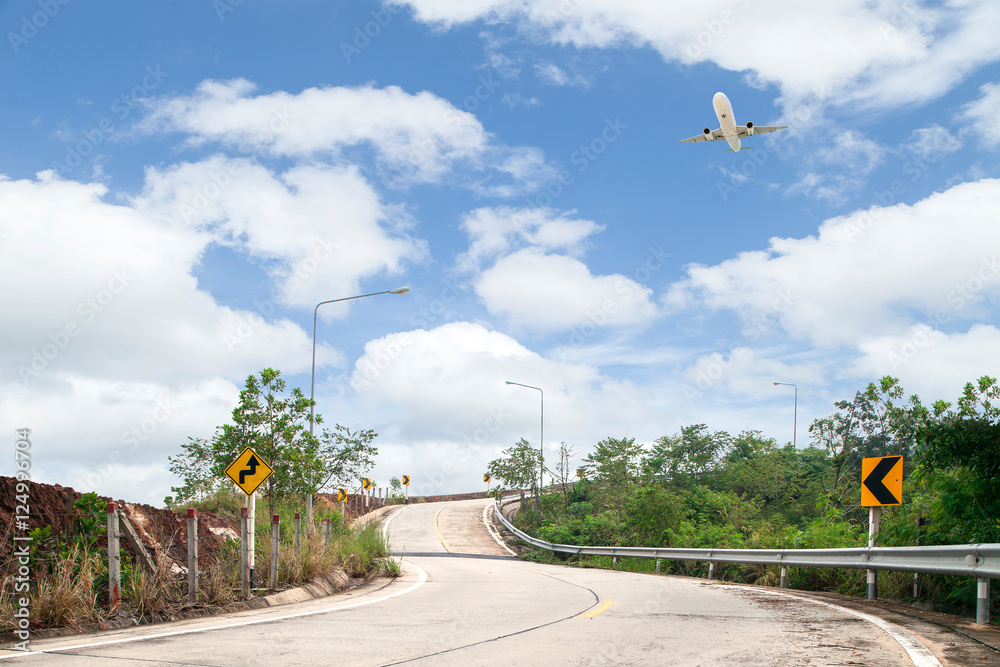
{"x":464,"y":601}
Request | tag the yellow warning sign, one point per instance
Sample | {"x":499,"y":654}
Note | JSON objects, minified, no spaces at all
{"x":882,"y":481}
{"x":341,"y":495}
{"x":248,"y":471}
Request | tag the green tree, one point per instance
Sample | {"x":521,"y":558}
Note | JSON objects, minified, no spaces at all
{"x":517,"y":468}
{"x":689,"y":456}
{"x":339,"y":458}
{"x":614,"y":464}
{"x":959,"y":458}
{"x":194,"y":466}
{"x":276,"y":426}
{"x":878,"y":422}
{"x":396,"y":488}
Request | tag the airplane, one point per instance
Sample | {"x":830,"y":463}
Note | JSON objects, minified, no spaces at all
{"x":728,"y":129}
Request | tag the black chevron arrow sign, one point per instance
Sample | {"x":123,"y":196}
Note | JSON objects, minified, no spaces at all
{"x":875,"y":481}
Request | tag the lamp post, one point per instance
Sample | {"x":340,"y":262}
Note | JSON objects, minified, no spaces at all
{"x":795,"y":414}
{"x":541,"y":439}
{"x":312,"y":385}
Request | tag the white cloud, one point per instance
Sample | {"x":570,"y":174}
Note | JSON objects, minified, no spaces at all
{"x":498,"y":230}
{"x":982,"y":115}
{"x":551,"y":74}
{"x":856,"y":53}
{"x":448,"y":386}
{"x":325,"y":226}
{"x":112,"y":330}
{"x":518,"y":276}
{"x":415,"y":137}
{"x":855,"y":152}
{"x":932,"y":143}
{"x":928,"y":362}
{"x":868,"y":273}
{"x":846,"y":161}
{"x":746,"y":372}
{"x":548,"y":292}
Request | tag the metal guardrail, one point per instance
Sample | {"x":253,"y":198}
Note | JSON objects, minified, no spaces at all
{"x":965,"y":560}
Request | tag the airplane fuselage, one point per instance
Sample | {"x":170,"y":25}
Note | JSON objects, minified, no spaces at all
{"x":724,"y":111}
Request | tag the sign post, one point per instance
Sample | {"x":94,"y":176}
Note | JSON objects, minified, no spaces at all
{"x":406,"y":486}
{"x":248,"y":472}
{"x":881,"y":484}
{"x":487,"y":478}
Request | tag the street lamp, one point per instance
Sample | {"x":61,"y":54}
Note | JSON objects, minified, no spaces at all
{"x":795,"y":414}
{"x":312,"y":383}
{"x":541,"y":439}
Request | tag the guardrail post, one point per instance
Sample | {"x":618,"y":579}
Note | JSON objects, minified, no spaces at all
{"x":275,"y":535}
{"x":192,"y":540}
{"x":658,"y":565}
{"x":114,"y":559}
{"x":614,"y":562}
{"x":784,"y":576}
{"x":298,"y":533}
{"x":711,"y":570}
{"x":983,"y":602}
{"x":244,"y":551}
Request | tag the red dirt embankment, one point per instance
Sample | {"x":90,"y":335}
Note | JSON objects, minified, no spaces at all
{"x":161,"y":531}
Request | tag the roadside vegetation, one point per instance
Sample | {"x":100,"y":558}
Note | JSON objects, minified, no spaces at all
{"x":703,"y":488}
{"x":68,"y":570}
{"x":69,"y":575}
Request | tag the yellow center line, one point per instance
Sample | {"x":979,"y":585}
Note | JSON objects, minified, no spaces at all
{"x":438,"y":530}
{"x":599,"y":609}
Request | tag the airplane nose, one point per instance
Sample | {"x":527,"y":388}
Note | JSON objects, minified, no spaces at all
{"x":719,"y":97}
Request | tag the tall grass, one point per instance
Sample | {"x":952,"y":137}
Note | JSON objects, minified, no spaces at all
{"x":151,"y":592}
{"x":66,"y":596}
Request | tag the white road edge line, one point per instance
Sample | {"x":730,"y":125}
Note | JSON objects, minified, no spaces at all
{"x":422,"y":579}
{"x":918,"y":653}
{"x":492,"y":532}
{"x":385,"y":526}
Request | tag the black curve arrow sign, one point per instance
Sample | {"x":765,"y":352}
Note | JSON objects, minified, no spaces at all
{"x":253,"y":463}
{"x":874,"y":481}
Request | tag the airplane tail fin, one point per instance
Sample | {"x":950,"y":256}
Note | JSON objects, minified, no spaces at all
{"x":744,"y":148}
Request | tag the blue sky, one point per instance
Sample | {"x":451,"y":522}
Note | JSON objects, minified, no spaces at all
{"x":181,"y":184}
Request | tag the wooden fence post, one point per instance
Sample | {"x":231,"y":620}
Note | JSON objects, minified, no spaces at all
{"x":192,"y":540}
{"x":114,"y":559}
{"x":275,"y":535}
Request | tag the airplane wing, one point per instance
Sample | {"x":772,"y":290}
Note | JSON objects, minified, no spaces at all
{"x":715,"y":135}
{"x":743,"y":133}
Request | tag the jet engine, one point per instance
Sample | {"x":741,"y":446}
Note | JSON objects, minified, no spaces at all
{"x":749,"y":129}
{"x":708,"y":133}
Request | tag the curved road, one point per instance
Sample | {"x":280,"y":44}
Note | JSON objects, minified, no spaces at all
{"x":463,"y":600}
